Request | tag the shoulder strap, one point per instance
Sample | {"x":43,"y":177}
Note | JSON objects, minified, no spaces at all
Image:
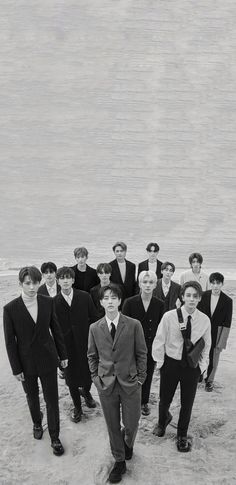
{"x":180,"y":315}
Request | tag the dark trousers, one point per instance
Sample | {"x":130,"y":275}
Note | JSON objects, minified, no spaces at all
{"x":146,"y":387}
{"x":115,"y":404}
{"x":75,"y":394}
{"x":50,"y":394}
{"x":172,"y":373}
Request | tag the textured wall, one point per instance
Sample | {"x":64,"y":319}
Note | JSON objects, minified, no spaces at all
{"x":118,"y":121}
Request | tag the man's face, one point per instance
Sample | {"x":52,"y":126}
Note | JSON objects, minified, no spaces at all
{"x":147,"y":285}
{"x":66,"y":282}
{"x":216,"y":287}
{"x":81,"y":260}
{"x":50,"y":277}
{"x":104,"y":278}
{"x":152,"y":254}
{"x":120,"y":253}
{"x":110,"y":302}
{"x":195,"y":264}
{"x":191,"y":299}
{"x":29,"y":287}
{"x":168,"y":272}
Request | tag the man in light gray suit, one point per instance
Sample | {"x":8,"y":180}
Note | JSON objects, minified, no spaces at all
{"x":117,"y":357}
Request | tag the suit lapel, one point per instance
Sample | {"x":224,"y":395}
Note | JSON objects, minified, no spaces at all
{"x":105,"y":329}
{"x":218,"y":305}
{"x":120,"y":328}
{"x":118,"y":272}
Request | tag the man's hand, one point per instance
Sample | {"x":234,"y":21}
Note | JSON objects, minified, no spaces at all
{"x":20,"y":377}
{"x":64,"y":363}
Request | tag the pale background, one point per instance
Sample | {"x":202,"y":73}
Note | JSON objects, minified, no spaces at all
{"x":117,"y":122}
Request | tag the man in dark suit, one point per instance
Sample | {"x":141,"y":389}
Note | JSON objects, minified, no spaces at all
{"x":123,"y":271}
{"x":152,"y":263}
{"x":85,"y":276}
{"x":75,"y":312}
{"x":29,"y":321}
{"x":148,"y":310}
{"x":117,"y":361}
{"x":50,"y":287}
{"x":168,"y":291}
{"x":104,"y":274}
{"x":219,"y":308}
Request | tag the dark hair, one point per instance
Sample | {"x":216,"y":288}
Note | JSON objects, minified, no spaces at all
{"x":121,"y":244}
{"x":51,"y":266}
{"x":80,"y":252}
{"x":104,"y":268}
{"x":149,"y":246}
{"x":115,"y":290}
{"x":167,"y":263}
{"x":65,"y":271}
{"x":197,"y":256}
{"x":216,"y":277}
{"x":30,"y":271}
{"x":191,"y":284}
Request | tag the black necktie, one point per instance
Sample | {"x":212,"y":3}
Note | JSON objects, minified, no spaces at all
{"x":187,"y":342}
{"x":113,"y":330}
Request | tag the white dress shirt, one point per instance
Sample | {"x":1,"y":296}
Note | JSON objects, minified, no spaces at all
{"x":169,"y":339}
{"x":115,"y":321}
{"x":165,"y":287}
{"x":52,"y":290}
{"x":122,"y":267}
{"x":214,"y":301}
{"x":69,"y":297}
{"x":152,"y":266}
{"x":201,"y":278}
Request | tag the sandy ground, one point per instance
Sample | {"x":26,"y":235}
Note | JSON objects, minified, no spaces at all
{"x":87,"y":458}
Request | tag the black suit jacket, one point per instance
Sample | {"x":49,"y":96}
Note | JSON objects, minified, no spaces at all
{"x":94,"y":292}
{"x":30,"y":346}
{"x":75,"y":321}
{"x":221,"y":318}
{"x":171,"y":297}
{"x":43,"y":290}
{"x":133,"y":307}
{"x":143,"y":266}
{"x":129,"y":285}
{"x":91,"y":278}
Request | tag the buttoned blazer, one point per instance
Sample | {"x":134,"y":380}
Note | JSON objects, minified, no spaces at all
{"x":222,"y":316}
{"x":91,"y":278}
{"x":43,"y":290}
{"x":74,"y":321}
{"x":33,"y":348}
{"x":150,"y":319}
{"x":129,"y":285}
{"x":143,"y":266}
{"x":172,"y":296}
{"x":124,"y":359}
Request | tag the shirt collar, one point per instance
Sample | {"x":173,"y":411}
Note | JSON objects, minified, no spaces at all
{"x":164,"y":285}
{"x":115,"y":321}
{"x":53,"y":287}
{"x":68,"y":297}
{"x":186,"y":314}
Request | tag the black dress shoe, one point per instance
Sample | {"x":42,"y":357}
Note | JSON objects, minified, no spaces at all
{"x":160,"y":430}
{"x":38,"y":429}
{"x":76,"y":415}
{"x":128,"y":450}
{"x":117,"y":471}
{"x":145,"y":410}
{"x":183,"y":444}
{"x":209,"y":386}
{"x":57,"y":447}
{"x":89,"y":401}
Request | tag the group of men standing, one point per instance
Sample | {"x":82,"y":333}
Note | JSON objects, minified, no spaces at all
{"x":109,"y":328}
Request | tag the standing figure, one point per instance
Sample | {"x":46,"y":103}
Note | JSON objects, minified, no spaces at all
{"x":170,"y":352}
{"x":75,"y":312}
{"x":34,"y":341}
{"x":219,"y":308}
{"x":123,"y":271}
{"x":104,"y":274}
{"x":195,"y":273}
{"x":167,"y":290}
{"x":50,"y":287}
{"x":152,"y":263}
{"x":117,"y":361}
{"x":148,"y":310}
{"x":85,"y":276}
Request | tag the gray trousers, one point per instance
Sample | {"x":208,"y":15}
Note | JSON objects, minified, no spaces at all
{"x":116,"y":406}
